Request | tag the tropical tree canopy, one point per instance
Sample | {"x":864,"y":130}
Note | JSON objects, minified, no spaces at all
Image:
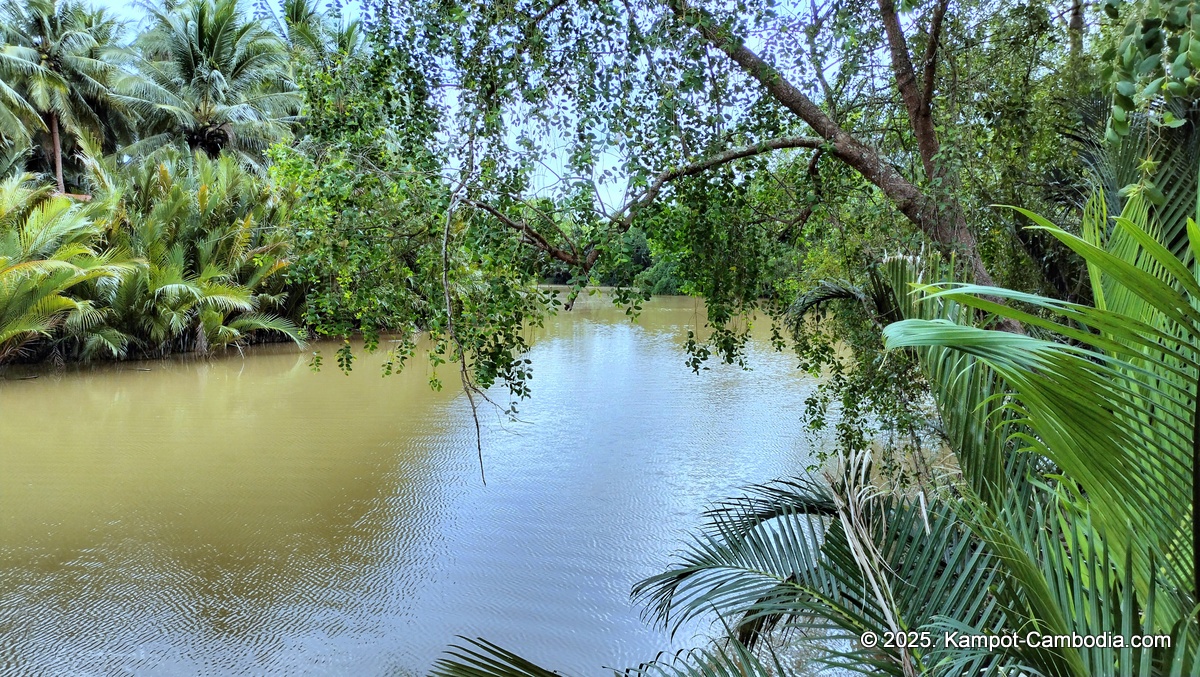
{"x":1013,"y":391}
{"x":214,"y":79}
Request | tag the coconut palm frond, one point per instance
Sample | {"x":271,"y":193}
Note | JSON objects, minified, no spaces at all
{"x":480,"y":658}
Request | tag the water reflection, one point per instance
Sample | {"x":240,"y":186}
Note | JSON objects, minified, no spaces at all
{"x":246,"y":516}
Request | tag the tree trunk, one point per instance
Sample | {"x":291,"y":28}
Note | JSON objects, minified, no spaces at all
{"x":917,"y":103}
{"x":57,"y":143}
{"x":1076,"y":66}
{"x":1075,"y":30}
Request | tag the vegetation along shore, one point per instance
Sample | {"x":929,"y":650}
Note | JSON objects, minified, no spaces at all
{"x":970,"y":226}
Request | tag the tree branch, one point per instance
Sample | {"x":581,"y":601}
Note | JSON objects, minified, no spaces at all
{"x":818,"y":65}
{"x":469,"y":386}
{"x":920,"y":116}
{"x":865,"y":160}
{"x":930,"y":61}
{"x":530,"y":235}
{"x":948,"y":228}
{"x":623,"y":217}
{"x":902,"y":67}
{"x":814,"y":176}
{"x":1075,"y":30}
{"x":693,"y":168}
{"x":814,"y":172}
{"x":537,"y":18}
{"x":650,"y":67}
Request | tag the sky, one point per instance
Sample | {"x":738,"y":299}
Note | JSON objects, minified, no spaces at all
{"x":133,"y":12}
{"x":126,"y":9}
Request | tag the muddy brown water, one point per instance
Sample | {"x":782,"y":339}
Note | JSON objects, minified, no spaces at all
{"x":245,"y":516}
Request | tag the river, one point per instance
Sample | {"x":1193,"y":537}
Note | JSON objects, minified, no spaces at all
{"x":242,"y":515}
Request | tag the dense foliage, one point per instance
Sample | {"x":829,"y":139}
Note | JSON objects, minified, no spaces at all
{"x":1013,"y":442}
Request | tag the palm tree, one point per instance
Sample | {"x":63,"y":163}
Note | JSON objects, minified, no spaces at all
{"x":215,"y":79}
{"x":311,"y":33}
{"x":120,"y":123}
{"x":18,"y":119}
{"x":210,"y":262}
{"x":1129,"y":435}
{"x":63,"y":70}
{"x":48,"y":245}
{"x":304,"y":27}
{"x":348,"y":37}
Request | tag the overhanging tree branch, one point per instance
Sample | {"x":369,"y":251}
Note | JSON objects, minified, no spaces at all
{"x":530,"y":235}
{"x":946,"y":227}
{"x":623,"y":217}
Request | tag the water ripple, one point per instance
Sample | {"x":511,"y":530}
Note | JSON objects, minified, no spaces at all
{"x":234,"y":517}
